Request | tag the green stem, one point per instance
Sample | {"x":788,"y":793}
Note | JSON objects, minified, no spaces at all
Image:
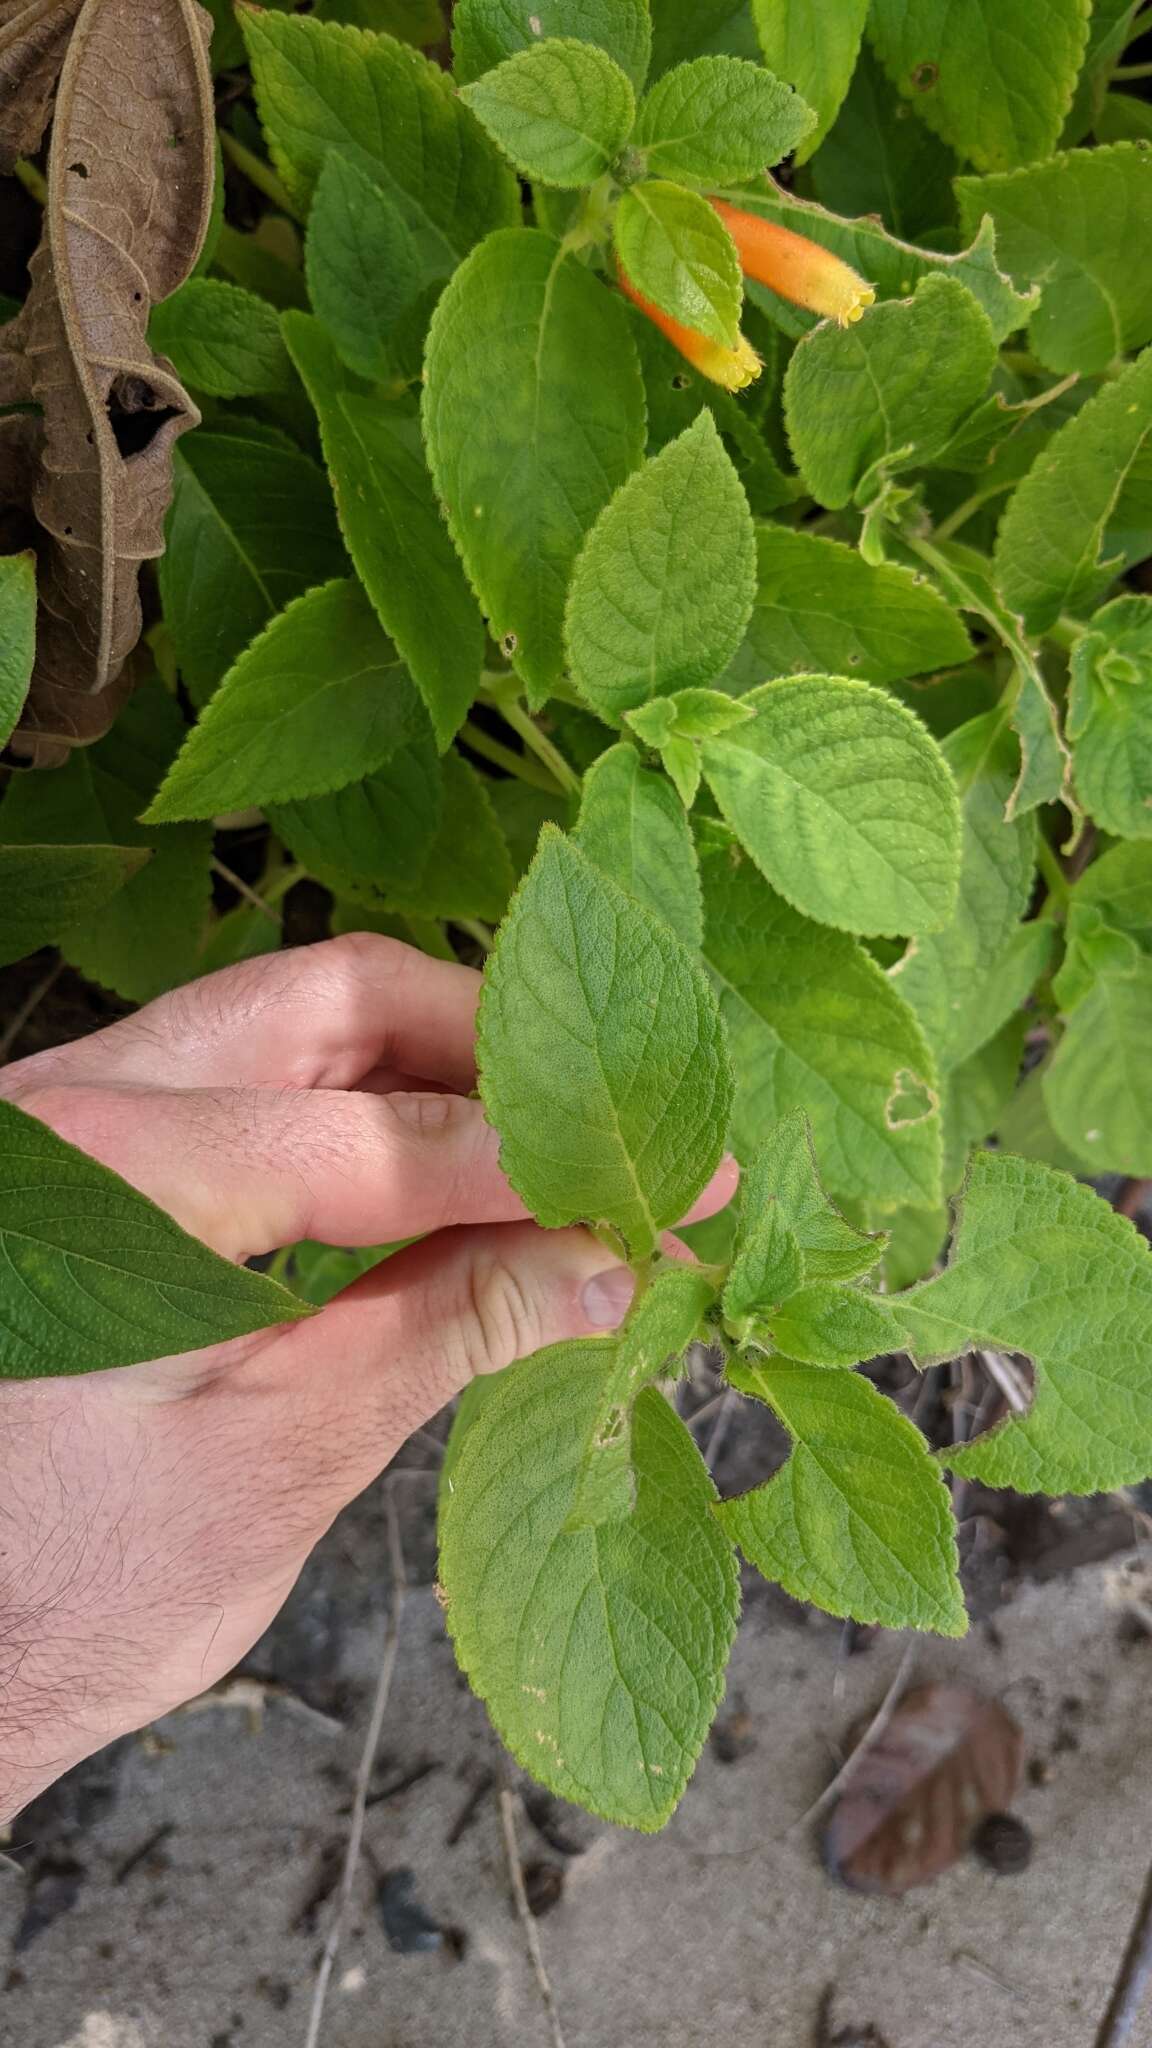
{"x":965,"y":511}
{"x":521,"y":721}
{"x":1059,"y":894}
{"x":1065,"y":632}
{"x":522,"y":766}
{"x":259,"y":174}
{"x":1123,"y":71}
{"x":481,"y":933}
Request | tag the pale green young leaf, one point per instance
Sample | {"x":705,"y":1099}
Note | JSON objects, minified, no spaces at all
{"x":979,"y":73}
{"x":17,"y":636}
{"x":598,"y":1651}
{"x":664,"y":584}
{"x":845,"y":803}
{"x":362,"y":265}
{"x":222,"y":340}
{"x":815,"y":1025}
{"x":395,"y":532}
{"x":1119,"y":883}
{"x":320,"y":697}
{"x":526,"y":441}
{"x":1092,"y":948}
{"x":701,"y":714}
{"x":679,"y":254}
{"x":820,"y":608}
{"x":887,"y":391}
{"x":767,"y":1264}
{"x":1049,"y":541}
{"x":828,"y":1325}
{"x":632,"y":825}
{"x":93,"y":1275}
{"x":601,"y":1054}
{"x":784,"y":1170}
{"x":252,"y":526}
{"x":683,"y":29}
{"x":321,"y":85}
{"x":1098,"y":1085}
{"x":717,"y":119}
{"x":859,"y":1520}
{"x":484,"y":32}
{"x":814,"y":49}
{"x":680,"y":760}
{"x":1043,"y":1266}
{"x":1110,"y":718}
{"x":561,"y":110}
{"x":878,"y":159}
{"x":1071,"y":225}
{"x":45,"y":889}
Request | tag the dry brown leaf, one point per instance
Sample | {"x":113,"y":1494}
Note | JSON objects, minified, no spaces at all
{"x":946,"y":1759}
{"x":33,"y":38}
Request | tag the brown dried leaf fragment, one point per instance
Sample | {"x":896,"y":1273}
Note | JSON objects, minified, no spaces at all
{"x":33,"y":37}
{"x":947,"y":1758}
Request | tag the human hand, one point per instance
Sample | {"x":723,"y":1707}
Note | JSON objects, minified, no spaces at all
{"x":153,"y":1520}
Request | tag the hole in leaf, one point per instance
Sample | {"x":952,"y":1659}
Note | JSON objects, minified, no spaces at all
{"x":910,"y":1102}
{"x":509,"y":644}
{"x":136,"y":414}
{"x":925,"y":76}
{"x":79,"y":170}
{"x":680,"y":382}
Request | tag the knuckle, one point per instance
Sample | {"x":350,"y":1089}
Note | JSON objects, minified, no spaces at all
{"x":426,"y":1115}
{"x":504,"y":1320}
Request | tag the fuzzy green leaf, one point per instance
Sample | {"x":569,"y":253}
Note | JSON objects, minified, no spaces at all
{"x":1097,"y":1087}
{"x":45,"y":889}
{"x":664,"y":584}
{"x":858,"y":1520}
{"x":843,"y":800}
{"x":362,"y":265}
{"x":815,"y":49}
{"x":679,"y":254}
{"x":879,"y":159}
{"x":525,"y":442}
{"x":633,"y":827}
{"x":601,"y":1054}
{"x":17,"y":636}
{"x":222,"y":340}
{"x":561,"y":110}
{"x":979,"y":74}
{"x":718,"y":119}
{"x":1119,"y":884}
{"x":484,"y":32}
{"x":1110,"y":718}
{"x":828,"y":1325}
{"x":767,"y":1265}
{"x":682,"y":29}
{"x":784,"y":1171}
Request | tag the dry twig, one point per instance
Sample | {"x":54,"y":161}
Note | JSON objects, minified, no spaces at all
{"x":508,"y":1797}
{"x":1133,"y":1979}
{"x":32,"y":1002}
{"x":871,"y":1735}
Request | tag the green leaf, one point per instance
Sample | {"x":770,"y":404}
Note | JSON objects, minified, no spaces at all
{"x":820,"y":608}
{"x":1110,"y":717}
{"x":362,"y":264}
{"x":679,"y":254}
{"x":1071,"y":224}
{"x":1109,"y":32}
{"x":94,"y":1275}
{"x":688,"y":714}
{"x":1042,"y":1266}
{"x":717,"y":119}
{"x":1120,"y":884}
{"x":17,"y":637}
{"x":815,"y":49}
{"x":633,"y":827}
{"x":828,"y":1325}
{"x":144,"y":940}
{"x":879,"y":159}
{"x":484,"y":32}
{"x":1097,"y":1086}
{"x":675,"y":393}
{"x":395,"y":533}
{"x":45,"y":889}
{"x":319,"y":697}
{"x":887,"y":391}
{"x":391,"y":112}
{"x":526,"y":441}
{"x":318,"y":1272}
{"x":815,"y":1025}
{"x":858,"y":1520}
{"x":561,"y":110}
{"x":601,"y":1054}
{"x":265,"y":261}
{"x":240,"y":934}
{"x":410,"y":21}
{"x":784,"y":1171}
{"x":598,"y":1651}
{"x":1124,"y":118}
{"x":682,"y":29}
{"x":1049,"y":542}
{"x":976,"y":1094}
{"x":222,"y":340}
{"x":664,"y":584}
{"x":767,"y":1265}
{"x":1026,"y":1128}
{"x":979,"y":74}
{"x":252,"y":526}
{"x":845,"y":803}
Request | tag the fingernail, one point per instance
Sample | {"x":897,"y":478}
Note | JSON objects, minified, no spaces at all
{"x":607,"y":1297}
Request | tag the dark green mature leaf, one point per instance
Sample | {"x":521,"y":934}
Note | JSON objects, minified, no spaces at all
{"x":223,"y":340}
{"x":45,"y":889}
{"x":820,"y":608}
{"x":633,"y":827}
{"x":561,"y":110}
{"x":1124,"y":118}
{"x":252,"y":526}
{"x":264,"y":261}
{"x":1119,"y":884}
{"x":845,"y":803}
{"x":412,"y":21}
{"x":879,"y":159}
{"x":978,"y":72}
{"x":858,"y":1520}
{"x":1109,"y":30}
{"x":679,"y":254}
{"x":145,"y":939}
{"x":664,"y":584}
{"x":363,"y":266}
{"x":1097,"y":1087}
{"x":599,"y":1651}
{"x":395,"y":532}
{"x":375,"y":834}
{"x":682,"y":29}
{"x":94,"y":1275}
{"x":17,"y":636}
{"x":885,"y":394}
{"x":1110,"y":717}
{"x":815,"y":1025}
{"x":1041,"y":1265}
{"x":814,"y":49}
{"x":601,"y":1054}
{"x":318,"y":698}
{"x":784,"y":1171}
{"x":321,"y":86}
{"x":1072,"y":224}
{"x":484,"y":32}
{"x":1049,"y":542}
{"x":526,"y":442}
{"x":719,"y":119}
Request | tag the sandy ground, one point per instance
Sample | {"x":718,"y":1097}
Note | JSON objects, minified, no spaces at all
{"x":724,"y":1928}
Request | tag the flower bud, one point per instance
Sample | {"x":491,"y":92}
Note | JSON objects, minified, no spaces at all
{"x":734,"y":368}
{"x":798,"y":269}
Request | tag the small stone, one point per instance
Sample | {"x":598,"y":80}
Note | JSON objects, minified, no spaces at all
{"x":1003,"y":1844}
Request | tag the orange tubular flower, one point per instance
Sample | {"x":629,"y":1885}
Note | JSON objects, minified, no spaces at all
{"x":798,"y":269}
{"x":734,"y":368}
